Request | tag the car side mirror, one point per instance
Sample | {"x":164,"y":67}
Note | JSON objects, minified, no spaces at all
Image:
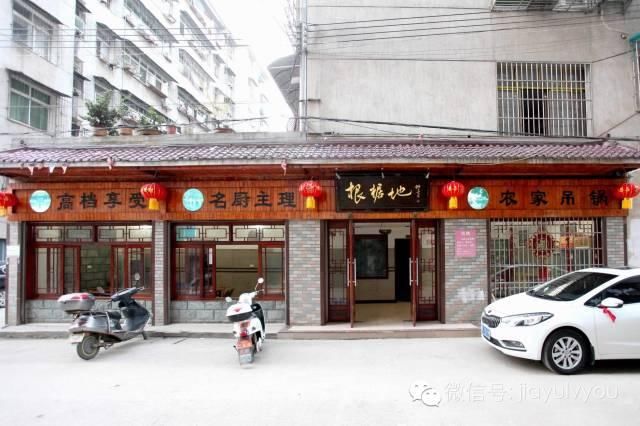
{"x":611,"y":302}
{"x":228,"y":299}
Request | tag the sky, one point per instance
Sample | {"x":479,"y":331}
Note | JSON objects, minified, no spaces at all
{"x":260,"y":22}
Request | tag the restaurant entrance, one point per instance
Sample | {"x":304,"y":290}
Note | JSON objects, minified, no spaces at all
{"x":382,"y":272}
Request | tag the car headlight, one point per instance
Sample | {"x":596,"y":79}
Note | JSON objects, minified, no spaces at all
{"x":525,"y":319}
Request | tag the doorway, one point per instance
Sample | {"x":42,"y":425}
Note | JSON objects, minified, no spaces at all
{"x":382,"y":272}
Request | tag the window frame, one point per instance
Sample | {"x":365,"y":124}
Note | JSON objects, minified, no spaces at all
{"x":36,"y":24}
{"x":598,"y":298}
{"x":544,"y":98}
{"x":63,"y":244}
{"x":202,"y":247}
{"x":31,"y":100}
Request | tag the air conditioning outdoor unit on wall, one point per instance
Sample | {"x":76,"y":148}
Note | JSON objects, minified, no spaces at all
{"x":131,"y":20}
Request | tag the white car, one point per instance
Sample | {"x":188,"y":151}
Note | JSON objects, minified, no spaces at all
{"x":571,"y":321}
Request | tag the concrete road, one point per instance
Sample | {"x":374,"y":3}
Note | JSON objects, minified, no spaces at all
{"x":199,"y":382}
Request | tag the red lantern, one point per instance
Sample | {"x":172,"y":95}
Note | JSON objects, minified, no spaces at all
{"x":7,"y":200}
{"x":311,"y":190}
{"x":453,"y":190}
{"x":626,"y":192}
{"x":153,"y":192}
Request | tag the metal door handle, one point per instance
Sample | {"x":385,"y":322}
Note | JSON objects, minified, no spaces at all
{"x":348,"y":277}
{"x":355,"y":274}
{"x":410,"y":271}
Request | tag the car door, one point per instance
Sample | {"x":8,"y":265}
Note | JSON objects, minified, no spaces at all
{"x":619,"y":336}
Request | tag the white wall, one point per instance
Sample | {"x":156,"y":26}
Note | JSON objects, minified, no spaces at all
{"x":450,"y":80}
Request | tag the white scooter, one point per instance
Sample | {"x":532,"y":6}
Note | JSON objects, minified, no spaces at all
{"x":248,"y":324}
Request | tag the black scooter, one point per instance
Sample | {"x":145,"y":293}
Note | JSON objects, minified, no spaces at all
{"x":92,"y":330}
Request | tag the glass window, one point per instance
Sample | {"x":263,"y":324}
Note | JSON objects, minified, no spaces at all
{"x":207,"y":266}
{"x":29,"y":105}
{"x":628,"y":291}
{"x":236,"y":268}
{"x":48,"y":270}
{"x":32,"y":30}
{"x":571,"y":286}
{"x":95,"y":265}
{"x":188,"y":261}
{"x":80,"y":261}
{"x":273,"y":270}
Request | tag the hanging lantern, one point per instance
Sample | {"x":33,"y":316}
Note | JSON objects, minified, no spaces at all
{"x":153,"y":192}
{"x":7,"y":200}
{"x":310,"y":190}
{"x":453,"y":190}
{"x":626,"y":192}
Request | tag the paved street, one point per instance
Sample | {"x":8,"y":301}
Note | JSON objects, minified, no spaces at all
{"x":198,"y":382}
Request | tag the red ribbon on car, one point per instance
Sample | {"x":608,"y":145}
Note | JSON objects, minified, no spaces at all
{"x":611,"y":315}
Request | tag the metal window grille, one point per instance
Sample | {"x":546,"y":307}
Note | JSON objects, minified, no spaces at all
{"x":544,"y":99}
{"x":527,"y":252}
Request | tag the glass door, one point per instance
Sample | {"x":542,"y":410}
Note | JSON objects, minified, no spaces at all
{"x":338,"y":276}
{"x":426,"y":272}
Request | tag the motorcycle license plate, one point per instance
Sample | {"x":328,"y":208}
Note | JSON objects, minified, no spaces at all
{"x":76,"y":338}
{"x":244,"y":344}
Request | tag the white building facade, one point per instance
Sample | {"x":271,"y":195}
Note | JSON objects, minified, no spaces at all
{"x":174,"y":56}
{"x":497,"y":68}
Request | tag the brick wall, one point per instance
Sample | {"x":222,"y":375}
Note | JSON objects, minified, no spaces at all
{"x":160,"y":264}
{"x":465,"y":279}
{"x":215,"y":310}
{"x":304,"y":273}
{"x":615,"y":241}
{"x":14,"y":297}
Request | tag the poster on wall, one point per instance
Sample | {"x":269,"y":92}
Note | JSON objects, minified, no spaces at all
{"x":465,"y":243}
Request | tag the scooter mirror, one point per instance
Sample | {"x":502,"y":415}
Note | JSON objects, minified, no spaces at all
{"x":228,"y":299}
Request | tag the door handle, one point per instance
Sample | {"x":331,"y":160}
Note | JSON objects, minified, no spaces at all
{"x":410,"y":271}
{"x":348,"y":276}
{"x":355,"y":274}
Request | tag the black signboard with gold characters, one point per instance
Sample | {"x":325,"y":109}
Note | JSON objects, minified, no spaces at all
{"x":382,"y":191}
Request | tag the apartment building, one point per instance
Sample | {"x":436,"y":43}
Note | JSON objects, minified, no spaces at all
{"x":175,"y":56}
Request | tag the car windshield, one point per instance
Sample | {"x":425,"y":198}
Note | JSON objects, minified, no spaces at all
{"x":571,"y":286}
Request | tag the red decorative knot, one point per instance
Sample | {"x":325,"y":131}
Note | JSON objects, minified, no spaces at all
{"x":626,"y":192}
{"x":310,"y":190}
{"x":7,"y":200}
{"x":453,"y":190}
{"x":542,"y":244}
{"x":153,"y":192}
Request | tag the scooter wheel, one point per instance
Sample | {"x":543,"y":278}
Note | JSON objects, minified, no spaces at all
{"x":88,"y":348}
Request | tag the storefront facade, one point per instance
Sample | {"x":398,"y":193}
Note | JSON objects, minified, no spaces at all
{"x":382,"y":239}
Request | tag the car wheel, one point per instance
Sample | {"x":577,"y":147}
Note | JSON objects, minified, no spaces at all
{"x":565,"y":352}
{"x":2,"y":298}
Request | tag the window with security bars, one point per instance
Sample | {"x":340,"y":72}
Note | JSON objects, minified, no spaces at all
{"x":528,"y":252}
{"x":544,"y":99}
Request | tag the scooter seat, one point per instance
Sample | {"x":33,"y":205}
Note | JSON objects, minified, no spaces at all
{"x":114,"y":314}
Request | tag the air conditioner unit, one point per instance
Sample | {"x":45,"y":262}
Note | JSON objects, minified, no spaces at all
{"x":169,"y":17}
{"x":182,"y":108}
{"x":165,"y":104}
{"x":167,"y":56}
{"x":105,"y":2}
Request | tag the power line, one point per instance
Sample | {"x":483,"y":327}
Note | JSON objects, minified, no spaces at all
{"x":453,"y":128}
{"x":493,"y":30}
{"x":491,"y":24}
